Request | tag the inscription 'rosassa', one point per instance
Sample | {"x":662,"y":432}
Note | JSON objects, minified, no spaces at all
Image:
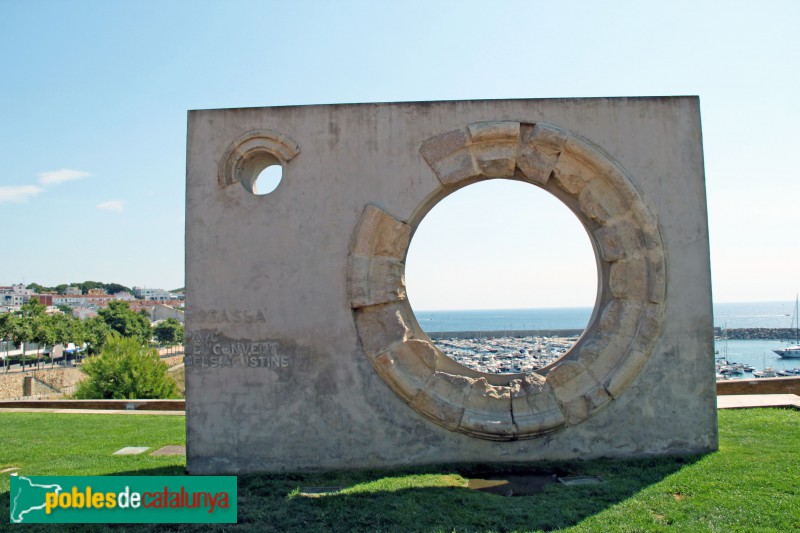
{"x":222,"y":316}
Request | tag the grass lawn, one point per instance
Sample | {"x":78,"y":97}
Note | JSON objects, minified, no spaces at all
{"x":751,"y":484}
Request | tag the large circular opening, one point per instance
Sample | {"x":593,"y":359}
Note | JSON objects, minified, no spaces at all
{"x":629,"y":304}
{"x":502,"y":276}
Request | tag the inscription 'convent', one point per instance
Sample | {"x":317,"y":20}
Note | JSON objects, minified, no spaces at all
{"x":210,"y":349}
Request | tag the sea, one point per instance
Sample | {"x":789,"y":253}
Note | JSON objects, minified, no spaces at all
{"x":757,"y":353}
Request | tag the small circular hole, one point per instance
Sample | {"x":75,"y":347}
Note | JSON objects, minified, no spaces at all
{"x":268,"y":180}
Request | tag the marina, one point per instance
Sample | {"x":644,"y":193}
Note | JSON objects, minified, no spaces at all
{"x":748,"y":359}
{"x":524,"y":340}
{"x":506,"y":354}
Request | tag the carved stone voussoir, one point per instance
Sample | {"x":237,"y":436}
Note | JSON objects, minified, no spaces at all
{"x":625,"y":372}
{"x":416,"y":358}
{"x":606,"y":361}
{"x":488,"y":398}
{"x":380,"y":328}
{"x":569,"y":380}
{"x":549,"y":139}
{"x":407,"y":368}
{"x":618,"y":240}
{"x":437,"y":148}
{"x":443,"y":398}
{"x":458,"y":167}
{"x":495,"y":425}
{"x":600,"y":202}
{"x":598,"y":397}
{"x":620,"y":317}
{"x":628,"y":279}
{"x":449,"y":157}
{"x":535,"y":409}
{"x":403,"y":383}
{"x":572,"y":174}
{"x":380,"y":234}
{"x":539,"y":152}
{"x":496,"y":160}
{"x":434,"y":408}
{"x":506,"y":132}
{"x":375,"y":280}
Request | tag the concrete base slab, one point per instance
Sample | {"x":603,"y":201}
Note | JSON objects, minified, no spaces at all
{"x":746,"y":401}
{"x":170,"y":450}
{"x":131,"y":450}
{"x":318,"y":492}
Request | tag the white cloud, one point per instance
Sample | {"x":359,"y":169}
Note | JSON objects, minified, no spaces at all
{"x":18,"y":194}
{"x":55,"y":177}
{"x":112,"y":205}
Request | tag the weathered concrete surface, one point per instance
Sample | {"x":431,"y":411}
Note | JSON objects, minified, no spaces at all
{"x":303,"y":352}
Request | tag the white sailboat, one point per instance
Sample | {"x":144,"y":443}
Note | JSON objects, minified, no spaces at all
{"x":792,"y":352}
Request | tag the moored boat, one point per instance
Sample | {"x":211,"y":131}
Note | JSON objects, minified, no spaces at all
{"x":792,"y":352}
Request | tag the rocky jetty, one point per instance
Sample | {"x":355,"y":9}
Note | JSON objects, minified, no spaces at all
{"x":756,"y":333}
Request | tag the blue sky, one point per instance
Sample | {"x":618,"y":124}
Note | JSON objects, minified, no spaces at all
{"x":94,"y":94}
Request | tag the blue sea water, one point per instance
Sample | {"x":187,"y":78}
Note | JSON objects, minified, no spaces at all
{"x":754,"y":315}
{"x":504,"y":319}
{"x":726,"y":315}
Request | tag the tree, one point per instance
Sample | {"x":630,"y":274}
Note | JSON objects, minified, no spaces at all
{"x":86,"y":285}
{"x":169,"y":332}
{"x":126,"y":370}
{"x":96,"y":333}
{"x":32,"y":308}
{"x":67,"y":329}
{"x":38,"y":289}
{"x":17,"y":329}
{"x":128,"y":323}
{"x":114,"y":288}
{"x":43,"y":334}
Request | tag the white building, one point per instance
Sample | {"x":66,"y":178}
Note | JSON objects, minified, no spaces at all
{"x":15,"y":295}
{"x":158,"y":295}
{"x":126,"y":296}
{"x":163,"y":312}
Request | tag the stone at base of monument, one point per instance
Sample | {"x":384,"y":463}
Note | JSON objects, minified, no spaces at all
{"x":303,"y":352}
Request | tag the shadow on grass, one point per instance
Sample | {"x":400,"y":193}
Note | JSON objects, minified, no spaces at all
{"x":387,"y":501}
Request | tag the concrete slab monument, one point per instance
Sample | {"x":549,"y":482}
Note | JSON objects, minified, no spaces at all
{"x":303,"y":352}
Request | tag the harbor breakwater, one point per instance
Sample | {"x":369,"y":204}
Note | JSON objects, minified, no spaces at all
{"x":755,"y":333}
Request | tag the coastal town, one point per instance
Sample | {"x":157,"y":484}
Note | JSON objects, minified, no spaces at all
{"x":85,"y":299}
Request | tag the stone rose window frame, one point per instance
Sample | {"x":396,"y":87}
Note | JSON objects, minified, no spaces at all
{"x":623,"y":329}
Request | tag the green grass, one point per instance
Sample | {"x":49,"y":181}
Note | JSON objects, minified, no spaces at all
{"x":751,"y":484}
